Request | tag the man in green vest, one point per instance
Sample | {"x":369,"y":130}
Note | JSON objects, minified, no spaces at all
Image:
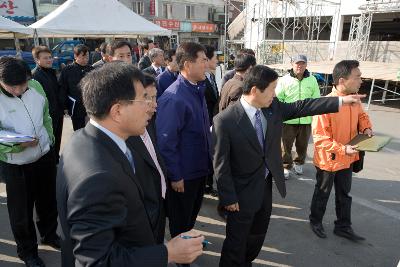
{"x":298,"y":84}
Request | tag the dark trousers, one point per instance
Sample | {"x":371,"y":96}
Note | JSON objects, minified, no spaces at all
{"x":27,"y":186}
{"x":325,"y":180}
{"x":78,"y":122}
{"x":210,"y":180}
{"x":160,"y":227}
{"x":57,"y":129}
{"x":245,"y":233}
{"x":299,"y":134}
{"x":183,"y":208}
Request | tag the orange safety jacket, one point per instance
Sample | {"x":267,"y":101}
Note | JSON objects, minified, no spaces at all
{"x":331,"y":132}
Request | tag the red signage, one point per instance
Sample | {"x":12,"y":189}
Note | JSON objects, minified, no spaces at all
{"x":9,"y":6}
{"x":152,"y":7}
{"x":169,"y":24}
{"x":203,"y":27}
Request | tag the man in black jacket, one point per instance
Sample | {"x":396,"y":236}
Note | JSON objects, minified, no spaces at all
{"x":145,"y":61}
{"x":46,"y":76}
{"x":100,"y":200}
{"x":211,"y":95}
{"x":151,"y":170}
{"x":69,"y":80}
{"x":247,"y":156}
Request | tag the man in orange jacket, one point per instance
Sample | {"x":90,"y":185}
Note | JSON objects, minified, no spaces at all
{"x":332,"y":157}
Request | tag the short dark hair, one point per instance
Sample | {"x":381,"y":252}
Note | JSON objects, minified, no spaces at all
{"x":169,"y":54}
{"x":188,"y":52}
{"x":14,"y":71}
{"x":244,"y":61}
{"x":148,"y":80}
{"x":103,"y":47}
{"x":343,"y":70}
{"x":39,"y":49}
{"x":209,"y":51}
{"x":260,"y":76}
{"x":246,"y":51}
{"x":80,"y":49}
{"x":106,"y":86}
{"x":116,"y":44}
{"x":146,"y":43}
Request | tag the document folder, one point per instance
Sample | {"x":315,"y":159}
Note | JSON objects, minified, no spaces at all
{"x":372,"y":144}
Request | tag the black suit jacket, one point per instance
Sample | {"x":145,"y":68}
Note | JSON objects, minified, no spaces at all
{"x":239,"y":162}
{"x":101,"y":206}
{"x":144,"y":62}
{"x":149,"y":178}
{"x":150,"y":70}
{"x":212,"y":98}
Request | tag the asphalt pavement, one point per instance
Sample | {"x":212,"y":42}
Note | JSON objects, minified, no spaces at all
{"x":290,"y":241}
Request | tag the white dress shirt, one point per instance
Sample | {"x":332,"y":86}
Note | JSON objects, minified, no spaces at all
{"x":251,"y":113}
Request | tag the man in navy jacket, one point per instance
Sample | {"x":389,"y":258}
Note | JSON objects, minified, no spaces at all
{"x":184,"y":137}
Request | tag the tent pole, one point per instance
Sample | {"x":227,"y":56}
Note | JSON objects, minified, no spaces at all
{"x":370,"y":93}
{"x":35,"y":38}
{"x":17,"y":47}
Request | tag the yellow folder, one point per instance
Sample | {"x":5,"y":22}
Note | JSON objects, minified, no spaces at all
{"x":372,"y":144}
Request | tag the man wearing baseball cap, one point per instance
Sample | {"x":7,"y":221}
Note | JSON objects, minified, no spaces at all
{"x":298,"y":84}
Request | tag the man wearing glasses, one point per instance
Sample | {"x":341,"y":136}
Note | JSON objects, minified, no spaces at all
{"x":100,"y":199}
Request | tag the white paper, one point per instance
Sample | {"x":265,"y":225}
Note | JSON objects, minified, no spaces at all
{"x":12,"y":137}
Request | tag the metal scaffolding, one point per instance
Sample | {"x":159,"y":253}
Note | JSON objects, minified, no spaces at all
{"x":361,"y":26}
{"x":286,"y":27}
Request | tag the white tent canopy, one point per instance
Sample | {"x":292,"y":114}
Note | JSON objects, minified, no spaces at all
{"x":94,"y":18}
{"x":12,"y":29}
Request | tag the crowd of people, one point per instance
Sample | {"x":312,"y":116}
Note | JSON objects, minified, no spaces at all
{"x":152,"y":138}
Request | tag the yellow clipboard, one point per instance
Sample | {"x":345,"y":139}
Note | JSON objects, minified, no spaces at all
{"x":371,"y":144}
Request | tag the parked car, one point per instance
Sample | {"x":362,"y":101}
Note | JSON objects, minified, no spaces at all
{"x":63,"y":53}
{"x":26,"y":56}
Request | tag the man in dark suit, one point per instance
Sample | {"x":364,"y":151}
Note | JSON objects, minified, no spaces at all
{"x":151,"y":173}
{"x":145,"y":61}
{"x":156,"y":56}
{"x":247,"y":156}
{"x":102,"y":214}
{"x":211,"y":94}
{"x":165,"y":79}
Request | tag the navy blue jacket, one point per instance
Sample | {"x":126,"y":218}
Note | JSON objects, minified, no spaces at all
{"x":164,"y":80}
{"x":183,"y":131}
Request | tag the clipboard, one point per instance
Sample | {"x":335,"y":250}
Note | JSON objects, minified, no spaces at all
{"x":71,"y":105}
{"x":371,"y":144}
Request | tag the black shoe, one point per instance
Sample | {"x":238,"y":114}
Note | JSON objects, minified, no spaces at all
{"x":53,"y":242}
{"x":34,"y":261}
{"x":318,"y":229}
{"x":348,"y":233}
{"x":209,"y":190}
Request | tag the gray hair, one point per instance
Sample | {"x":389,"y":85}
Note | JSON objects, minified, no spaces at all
{"x":154,"y":52}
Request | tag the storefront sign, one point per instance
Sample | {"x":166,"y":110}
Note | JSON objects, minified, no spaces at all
{"x":169,"y":24}
{"x":18,"y":10}
{"x":203,"y":27}
{"x":152,"y":7}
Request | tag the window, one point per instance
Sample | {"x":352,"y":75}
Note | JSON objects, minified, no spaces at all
{"x":210,"y":13}
{"x":138,"y":8}
{"x":189,"y":12}
{"x":167,"y":11}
